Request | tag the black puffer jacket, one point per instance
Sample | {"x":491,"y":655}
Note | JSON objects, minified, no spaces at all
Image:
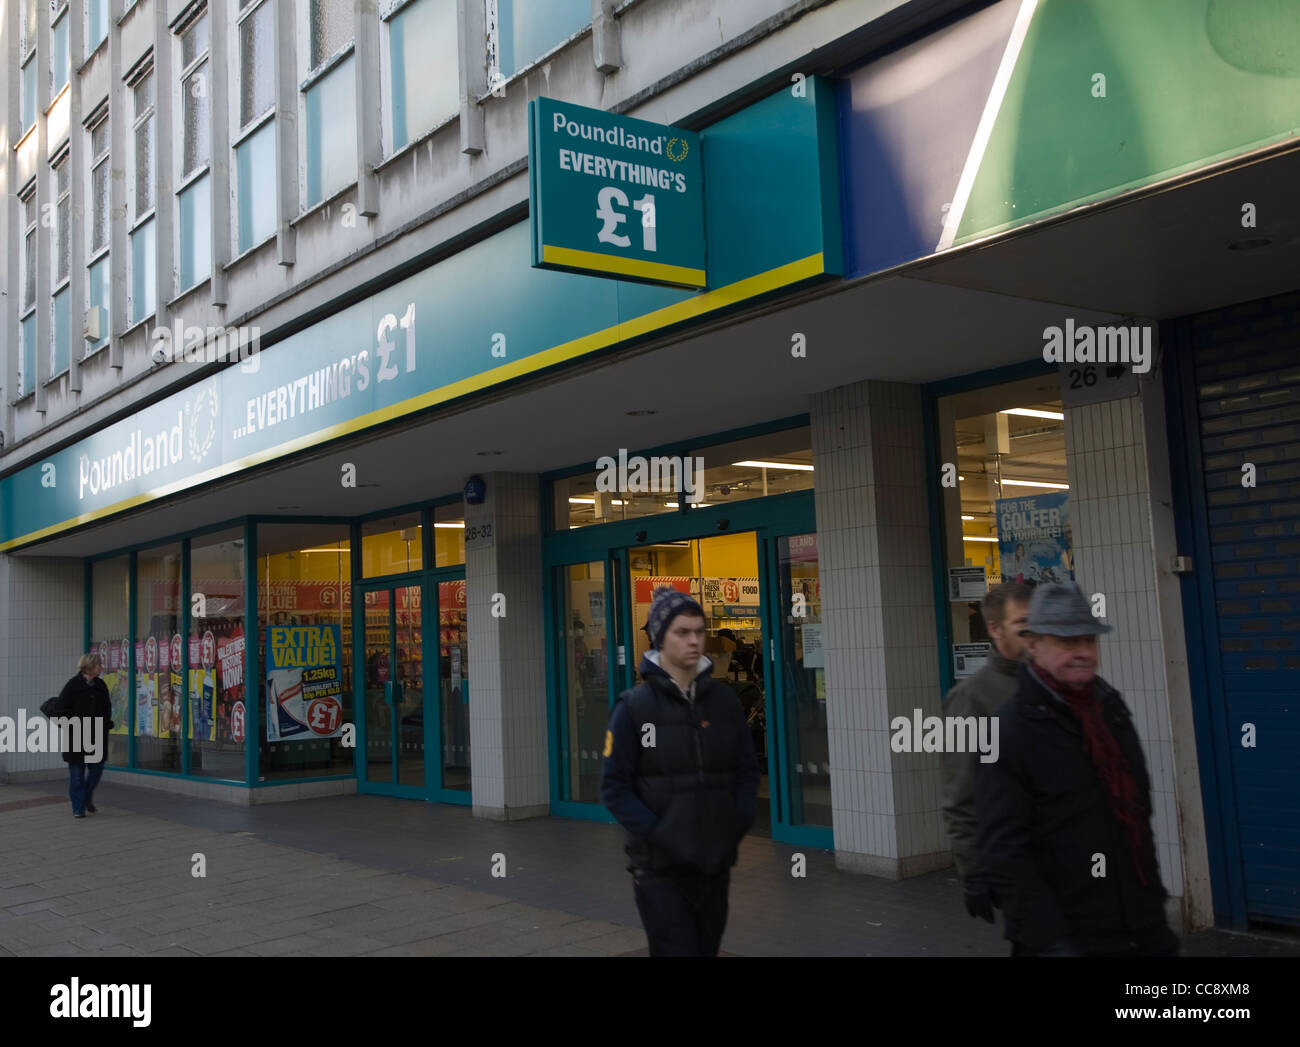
{"x":1043,"y":816}
{"x":686,"y":801}
{"x":82,"y":698}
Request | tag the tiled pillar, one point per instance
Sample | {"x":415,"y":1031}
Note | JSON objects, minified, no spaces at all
{"x":42,"y":608}
{"x":882,"y":657}
{"x":507,"y":665}
{"x":1123,"y":539}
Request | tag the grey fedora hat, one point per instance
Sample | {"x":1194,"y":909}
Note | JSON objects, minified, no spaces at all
{"x":1061,"y":610}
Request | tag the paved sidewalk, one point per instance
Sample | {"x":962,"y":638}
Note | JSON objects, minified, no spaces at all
{"x":365,"y":875}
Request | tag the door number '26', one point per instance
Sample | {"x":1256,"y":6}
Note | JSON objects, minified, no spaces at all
{"x":608,"y":200}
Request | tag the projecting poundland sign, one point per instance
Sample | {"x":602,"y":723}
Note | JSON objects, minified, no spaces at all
{"x":614,"y":196}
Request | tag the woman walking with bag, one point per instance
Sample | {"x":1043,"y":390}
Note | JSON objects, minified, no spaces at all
{"x":83,"y":697}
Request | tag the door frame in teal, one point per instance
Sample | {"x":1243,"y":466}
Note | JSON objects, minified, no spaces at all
{"x":769,"y":519}
{"x":360,"y":590}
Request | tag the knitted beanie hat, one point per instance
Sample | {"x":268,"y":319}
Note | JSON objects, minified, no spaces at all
{"x":666,"y":604}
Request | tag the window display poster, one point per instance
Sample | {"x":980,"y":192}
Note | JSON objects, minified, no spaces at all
{"x":1035,"y":543}
{"x":230,"y":694}
{"x":303,"y":687}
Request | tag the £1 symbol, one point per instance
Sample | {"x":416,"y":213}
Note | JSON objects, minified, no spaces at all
{"x":608,"y":200}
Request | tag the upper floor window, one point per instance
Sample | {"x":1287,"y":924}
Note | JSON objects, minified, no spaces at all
{"x":60,"y":64}
{"x":96,"y":24}
{"x":99,"y":184}
{"x":521,"y":31}
{"x":27,"y":77}
{"x":195,"y":96}
{"x":329,"y":101}
{"x":423,"y":68}
{"x":29,"y":247}
{"x":143,"y":153}
{"x":63,"y":213}
{"x":329,"y":28}
{"x":256,"y":62}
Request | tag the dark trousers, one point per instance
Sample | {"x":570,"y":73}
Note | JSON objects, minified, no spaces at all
{"x":683,"y":915}
{"x":82,"y":779}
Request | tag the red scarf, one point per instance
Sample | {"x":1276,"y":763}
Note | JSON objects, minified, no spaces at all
{"x":1112,"y":768}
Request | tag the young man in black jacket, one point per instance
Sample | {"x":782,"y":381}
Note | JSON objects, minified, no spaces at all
{"x":681,"y":776}
{"x":1065,"y":812}
{"x":84,"y":698}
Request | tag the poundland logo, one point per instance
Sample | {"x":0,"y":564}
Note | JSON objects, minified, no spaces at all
{"x":102,"y":1001}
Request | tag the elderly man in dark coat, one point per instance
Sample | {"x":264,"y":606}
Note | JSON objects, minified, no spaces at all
{"x":1065,"y":812}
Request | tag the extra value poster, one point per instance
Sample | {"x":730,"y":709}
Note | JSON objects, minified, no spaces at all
{"x":304,"y":690}
{"x":1035,"y":543}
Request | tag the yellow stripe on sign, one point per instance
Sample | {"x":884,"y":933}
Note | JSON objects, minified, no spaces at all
{"x":677,"y":274}
{"x":696,"y":305}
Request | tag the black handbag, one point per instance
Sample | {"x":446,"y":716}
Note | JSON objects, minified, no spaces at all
{"x":52,"y":707}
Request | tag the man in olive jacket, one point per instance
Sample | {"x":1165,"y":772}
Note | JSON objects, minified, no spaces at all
{"x":1065,"y":812}
{"x":681,"y":776}
{"x":1004,"y":608}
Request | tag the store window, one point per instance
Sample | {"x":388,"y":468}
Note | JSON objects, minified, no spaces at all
{"x":216,"y":686}
{"x":449,"y":535}
{"x":157,"y":659}
{"x":627,"y":486}
{"x":424,"y":69}
{"x":1008,"y":517}
{"x":110,"y":630}
{"x":392,"y":545}
{"x":304,"y":619}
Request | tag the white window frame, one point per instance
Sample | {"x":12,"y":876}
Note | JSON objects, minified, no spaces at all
{"x":145,"y":71}
{"x":62,"y":161}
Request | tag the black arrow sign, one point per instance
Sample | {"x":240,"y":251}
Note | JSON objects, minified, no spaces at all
{"x":1116,"y":371}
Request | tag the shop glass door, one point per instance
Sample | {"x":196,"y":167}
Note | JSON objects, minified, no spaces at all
{"x":453,"y":685}
{"x":804,"y":740}
{"x":390,"y":676}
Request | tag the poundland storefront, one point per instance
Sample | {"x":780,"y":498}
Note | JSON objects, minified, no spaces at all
{"x":256,"y":648}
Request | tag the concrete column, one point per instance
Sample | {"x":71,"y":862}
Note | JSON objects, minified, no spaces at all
{"x":873,"y":535}
{"x":1121,"y":514}
{"x":42,"y":615}
{"x":507,"y":664}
